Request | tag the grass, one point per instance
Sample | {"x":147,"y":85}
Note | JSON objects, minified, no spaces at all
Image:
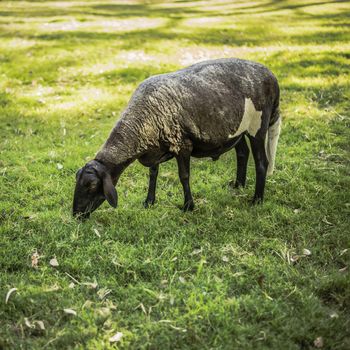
{"x":222,"y":277}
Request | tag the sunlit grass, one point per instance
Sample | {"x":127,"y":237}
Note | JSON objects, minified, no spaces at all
{"x":222,"y":277}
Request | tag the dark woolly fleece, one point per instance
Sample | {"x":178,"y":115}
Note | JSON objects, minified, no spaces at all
{"x":198,"y":107}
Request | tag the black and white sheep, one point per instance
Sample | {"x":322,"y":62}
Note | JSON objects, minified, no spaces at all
{"x":201,"y":111}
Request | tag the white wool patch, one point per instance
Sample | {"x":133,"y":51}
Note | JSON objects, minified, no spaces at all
{"x":251,"y":120}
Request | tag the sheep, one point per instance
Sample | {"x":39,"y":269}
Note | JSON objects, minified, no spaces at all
{"x":201,"y":111}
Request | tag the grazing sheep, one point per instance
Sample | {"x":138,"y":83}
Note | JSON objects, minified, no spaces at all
{"x":201,"y":111}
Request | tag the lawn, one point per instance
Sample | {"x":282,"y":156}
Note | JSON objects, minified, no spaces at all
{"x":226,"y":276}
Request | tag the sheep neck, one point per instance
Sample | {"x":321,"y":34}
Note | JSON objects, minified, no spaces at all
{"x":129,"y":139}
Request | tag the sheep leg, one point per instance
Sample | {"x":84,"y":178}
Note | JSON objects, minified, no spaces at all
{"x":183,"y":163}
{"x":242,"y":154}
{"x":151,"y":195}
{"x":261,"y":164}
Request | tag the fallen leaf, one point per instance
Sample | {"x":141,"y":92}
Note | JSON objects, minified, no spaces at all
{"x":237,"y":274}
{"x":54,"y":262}
{"x":35,"y":260}
{"x":326,"y":221}
{"x":306,"y":252}
{"x":318,"y":342}
{"x":110,"y":305}
{"x":182,"y":280}
{"x":142,"y":308}
{"x":40,"y":325}
{"x":97,"y":233}
{"x":116,"y":337}
{"x":263,"y":336}
{"x":12,"y":290}
{"x":103,"y":312}
{"x":91,"y":285}
{"x":343,"y":251}
{"x":108,"y":324}
{"x":178,"y":328}
{"x":196,"y":251}
{"x":294,"y":258}
{"x":103,"y":292}
{"x":71,"y":277}
{"x":343,"y":269}
{"x":70,"y":312}
{"x":30,"y":217}
{"x":59,"y":166}
{"x":27,"y":323}
{"x":52,"y":288}
{"x":87,"y":304}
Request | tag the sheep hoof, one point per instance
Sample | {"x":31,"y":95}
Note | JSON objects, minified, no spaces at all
{"x":188,"y":206}
{"x":235,"y":184}
{"x":148,"y":203}
{"x":256,"y":201}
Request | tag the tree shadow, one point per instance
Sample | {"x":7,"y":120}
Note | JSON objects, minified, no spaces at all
{"x":278,"y":5}
{"x":249,"y":36}
{"x":132,"y":74}
{"x":258,"y":32}
{"x":103,"y":9}
{"x":253,"y":31}
{"x":155,"y":9}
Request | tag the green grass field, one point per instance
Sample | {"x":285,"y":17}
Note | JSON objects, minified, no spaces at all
{"x":226,"y":276}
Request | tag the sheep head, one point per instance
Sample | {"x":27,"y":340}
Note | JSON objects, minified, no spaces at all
{"x":94,"y":184}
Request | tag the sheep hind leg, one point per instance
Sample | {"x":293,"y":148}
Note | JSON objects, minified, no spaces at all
{"x":261,"y":164}
{"x":242,"y":155}
{"x":183,"y":163}
{"x":151,"y":195}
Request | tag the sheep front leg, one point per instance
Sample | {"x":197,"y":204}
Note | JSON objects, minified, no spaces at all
{"x":183,"y":163}
{"x":151,"y":195}
{"x":242,"y":154}
{"x":261,"y":164}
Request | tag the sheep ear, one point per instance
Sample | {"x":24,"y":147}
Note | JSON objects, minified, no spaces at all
{"x":109,"y":191}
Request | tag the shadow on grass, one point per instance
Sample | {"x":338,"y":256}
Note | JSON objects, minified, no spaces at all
{"x":250,"y":35}
{"x":253,"y":32}
{"x":286,"y":66}
{"x":155,"y":9}
{"x":257,"y":32}
{"x":104,"y":9}
{"x":132,"y":74}
{"x":278,"y":5}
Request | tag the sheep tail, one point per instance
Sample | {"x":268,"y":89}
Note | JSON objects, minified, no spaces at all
{"x":272,"y":140}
